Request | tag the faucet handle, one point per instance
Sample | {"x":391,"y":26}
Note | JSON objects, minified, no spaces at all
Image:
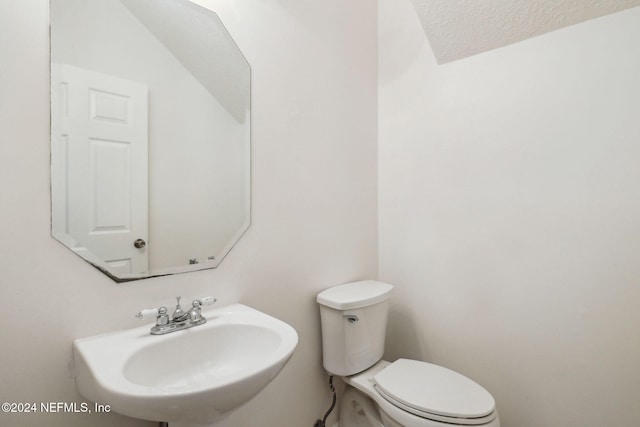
{"x":162,"y":318}
{"x":206,"y":301}
{"x":194,"y":313}
{"x":146,"y":312}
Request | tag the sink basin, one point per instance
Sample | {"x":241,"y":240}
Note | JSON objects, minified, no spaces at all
{"x":196,"y":375}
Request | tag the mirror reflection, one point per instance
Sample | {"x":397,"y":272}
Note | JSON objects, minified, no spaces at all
{"x":150,"y":135}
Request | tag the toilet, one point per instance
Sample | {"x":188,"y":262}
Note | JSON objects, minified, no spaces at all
{"x":404,"y":393}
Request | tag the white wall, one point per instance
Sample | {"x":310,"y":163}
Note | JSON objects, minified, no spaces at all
{"x":314,"y":205}
{"x":509,"y":215}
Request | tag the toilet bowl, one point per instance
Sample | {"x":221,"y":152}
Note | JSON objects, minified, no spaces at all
{"x":404,"y":393}
{"x":357,"y":410}
{"x":449,"y":399}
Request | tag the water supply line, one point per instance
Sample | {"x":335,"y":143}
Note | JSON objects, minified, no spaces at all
{"x":322,"y":422}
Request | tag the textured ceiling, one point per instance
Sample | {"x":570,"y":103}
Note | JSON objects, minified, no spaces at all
{"x":197,"y":38}
{"x":460,"y":28}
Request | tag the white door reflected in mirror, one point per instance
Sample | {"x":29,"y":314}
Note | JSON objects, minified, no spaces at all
{"x":99,"y":168}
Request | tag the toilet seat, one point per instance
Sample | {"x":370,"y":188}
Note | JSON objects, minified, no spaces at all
{"x":434,"y":392}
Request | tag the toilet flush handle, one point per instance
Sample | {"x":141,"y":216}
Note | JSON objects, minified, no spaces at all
{"x":351,"y":318}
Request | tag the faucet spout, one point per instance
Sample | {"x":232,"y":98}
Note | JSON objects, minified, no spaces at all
{"x":182,"y":318}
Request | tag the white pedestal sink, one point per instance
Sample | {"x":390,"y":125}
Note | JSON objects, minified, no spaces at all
{"x":196,"y":375}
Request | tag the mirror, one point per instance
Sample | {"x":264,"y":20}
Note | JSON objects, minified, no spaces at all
{"x":150,"y":135}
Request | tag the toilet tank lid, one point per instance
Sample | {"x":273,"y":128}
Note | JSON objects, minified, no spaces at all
{"x":355,"y":294}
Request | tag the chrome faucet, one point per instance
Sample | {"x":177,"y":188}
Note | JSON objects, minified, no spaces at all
{"x":180,"y":319}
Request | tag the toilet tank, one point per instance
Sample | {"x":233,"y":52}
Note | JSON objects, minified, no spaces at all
{"x":354,"y":323}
